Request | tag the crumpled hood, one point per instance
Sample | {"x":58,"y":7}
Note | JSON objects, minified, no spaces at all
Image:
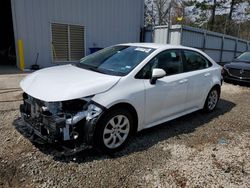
{"x":66,"y":82}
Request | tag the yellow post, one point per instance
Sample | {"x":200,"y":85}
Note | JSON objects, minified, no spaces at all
{"x":21,"y":54}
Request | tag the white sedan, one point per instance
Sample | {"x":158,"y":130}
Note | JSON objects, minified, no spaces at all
{"x":117,"y":91}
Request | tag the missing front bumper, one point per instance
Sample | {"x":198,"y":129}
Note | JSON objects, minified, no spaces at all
{"x":78,"y":128}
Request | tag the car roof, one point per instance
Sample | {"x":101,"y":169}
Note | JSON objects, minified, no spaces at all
{"x":162,"y":47}
{"x":158,"y":46}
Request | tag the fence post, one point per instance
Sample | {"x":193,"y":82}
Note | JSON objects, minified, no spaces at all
{"x":222,"y":48}
{"x":204,"y":40}
{"x":181,"y":33}
{"x":168,"y":34}
{"x":235,"y":48}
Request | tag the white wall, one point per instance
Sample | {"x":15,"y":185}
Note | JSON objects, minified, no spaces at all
{"x":161,"y":34}
{"x":107,"y":22}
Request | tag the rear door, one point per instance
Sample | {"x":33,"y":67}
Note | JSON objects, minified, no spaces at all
{"x":199,"y":70}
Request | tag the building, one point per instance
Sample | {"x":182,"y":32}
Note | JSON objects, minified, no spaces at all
{"x":49,"y":32}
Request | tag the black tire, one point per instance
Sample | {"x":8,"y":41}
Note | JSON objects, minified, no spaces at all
{"x":210,"y":106}
{"x":103,"y":124}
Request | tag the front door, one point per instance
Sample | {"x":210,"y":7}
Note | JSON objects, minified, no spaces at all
{"x":167,"y":96}
{"x":164,"y":99}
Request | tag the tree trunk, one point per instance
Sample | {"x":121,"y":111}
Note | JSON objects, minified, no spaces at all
{"x":213,"y":15}
{"x":231,"y":10}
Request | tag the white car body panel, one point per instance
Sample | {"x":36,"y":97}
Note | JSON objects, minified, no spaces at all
{"x":171,"y":96}
{"x":65,"y":83}
{"x":129,"y":89}
{"x":125,"y":92}
{"x":164,"y":98}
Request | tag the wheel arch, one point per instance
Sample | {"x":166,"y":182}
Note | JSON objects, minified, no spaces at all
{"x":217,"y":86}
{"x":131,"y":108}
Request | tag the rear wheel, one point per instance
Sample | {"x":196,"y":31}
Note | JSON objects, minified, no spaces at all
{"x":113,"y":130}
{"x":212,"y":100}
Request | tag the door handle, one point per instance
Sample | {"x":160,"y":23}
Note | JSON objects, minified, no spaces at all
{"x":183,"y":81}
{"x":207,"y":74}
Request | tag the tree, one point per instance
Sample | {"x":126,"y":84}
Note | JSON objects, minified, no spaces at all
{"x":226,"y":16}
{"x":213,"y":9}
{"x":233,"y":7}
{"x":238,"y":14}
{"x":162,"y":12}
{"x":205,"y":11}
{"x":179,"y":13}
{"x":157,"y":12}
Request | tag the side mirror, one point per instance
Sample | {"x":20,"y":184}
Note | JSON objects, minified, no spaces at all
{"x":156,"y":74}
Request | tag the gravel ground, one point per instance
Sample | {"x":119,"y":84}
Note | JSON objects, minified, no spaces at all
{"x":197,"y":150}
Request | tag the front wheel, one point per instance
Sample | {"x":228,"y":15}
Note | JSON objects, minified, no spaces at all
{"x":113,"y":130}
{"x":212,"y":100}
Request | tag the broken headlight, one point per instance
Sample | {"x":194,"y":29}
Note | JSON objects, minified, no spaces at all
{"x":93,"y":111}
{"x":73,"y":106}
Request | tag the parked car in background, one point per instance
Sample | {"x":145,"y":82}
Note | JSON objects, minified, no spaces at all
{"x":238,"y":69}
{"x":117,"y":91}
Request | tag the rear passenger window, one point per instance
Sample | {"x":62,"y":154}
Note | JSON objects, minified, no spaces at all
{"x":195,"y":61}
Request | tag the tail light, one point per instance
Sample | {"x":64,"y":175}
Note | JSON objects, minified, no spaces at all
{"x":223,"y":70}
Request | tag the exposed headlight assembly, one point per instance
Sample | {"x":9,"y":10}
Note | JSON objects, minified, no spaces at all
{"x":93,"y":111}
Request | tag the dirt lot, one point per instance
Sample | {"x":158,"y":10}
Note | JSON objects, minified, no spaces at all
{"x":198,"y":150}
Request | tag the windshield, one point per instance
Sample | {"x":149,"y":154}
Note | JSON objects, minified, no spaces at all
{"x":116,"y":60}
{"x":244,"y":57}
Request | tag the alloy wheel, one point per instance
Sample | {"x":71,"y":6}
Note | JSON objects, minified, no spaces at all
{"x":212,"y":99}
{"x":116,"y":131}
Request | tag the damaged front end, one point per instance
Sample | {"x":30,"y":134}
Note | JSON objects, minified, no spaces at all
{"x":64,"y":122}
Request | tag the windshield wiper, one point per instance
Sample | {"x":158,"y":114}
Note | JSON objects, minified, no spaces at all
{"x":95,"y":69}
{"x":103,"y":71}
{"x":89,"y":67}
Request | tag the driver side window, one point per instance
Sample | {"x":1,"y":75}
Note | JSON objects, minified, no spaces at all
{"x":170,"y":61}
